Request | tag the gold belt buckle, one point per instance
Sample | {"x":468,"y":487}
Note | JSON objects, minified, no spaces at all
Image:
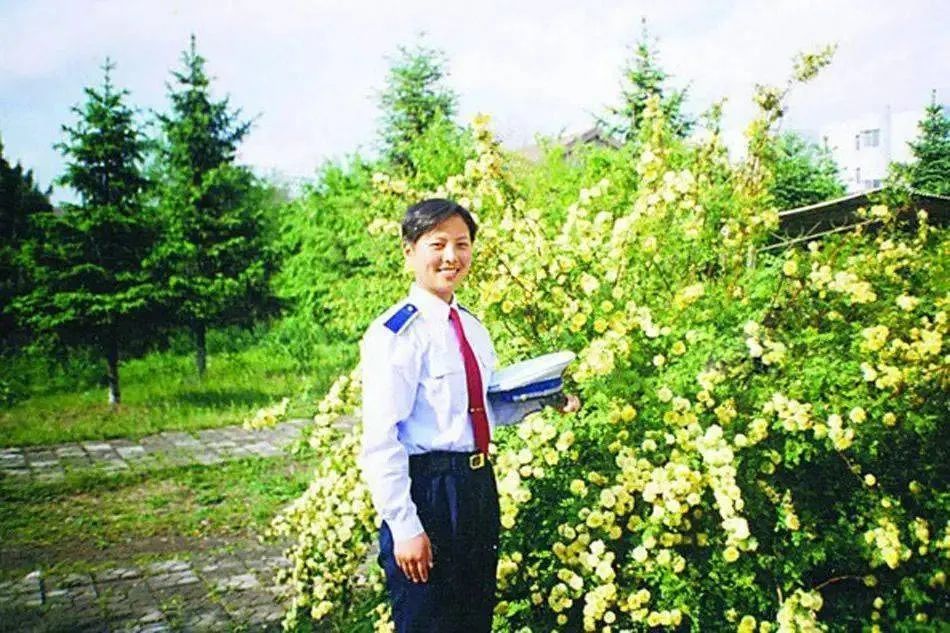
{"x":476,"y":461}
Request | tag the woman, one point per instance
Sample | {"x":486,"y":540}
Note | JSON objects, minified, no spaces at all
{"x":427,"y":422}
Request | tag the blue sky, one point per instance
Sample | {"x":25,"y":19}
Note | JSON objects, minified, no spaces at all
{"x":310,"y":70}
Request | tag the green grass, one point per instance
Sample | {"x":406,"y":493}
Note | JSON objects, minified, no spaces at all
{"x":161,"y":391}
{"x":89,"y":516}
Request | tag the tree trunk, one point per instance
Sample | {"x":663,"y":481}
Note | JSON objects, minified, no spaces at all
{"x":201,"y":351}
{"x":112,"y":370}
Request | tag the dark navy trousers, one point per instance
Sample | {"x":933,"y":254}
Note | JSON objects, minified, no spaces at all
{"x":458,"y":508}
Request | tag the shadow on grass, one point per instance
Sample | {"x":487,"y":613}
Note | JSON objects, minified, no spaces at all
{"x":214,"y":398}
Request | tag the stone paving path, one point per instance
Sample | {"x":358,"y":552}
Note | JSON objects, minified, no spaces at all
{"x":210,"y":446}
{"x":203,"y":592}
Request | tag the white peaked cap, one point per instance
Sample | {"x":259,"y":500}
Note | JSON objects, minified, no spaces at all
{"x":532,"y":378}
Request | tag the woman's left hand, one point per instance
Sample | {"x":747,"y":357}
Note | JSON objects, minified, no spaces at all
{"x":572,"y":404}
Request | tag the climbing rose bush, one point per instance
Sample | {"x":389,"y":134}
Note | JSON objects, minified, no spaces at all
{"x":760,"y":447}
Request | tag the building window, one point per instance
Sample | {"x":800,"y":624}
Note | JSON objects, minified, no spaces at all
{"x":857,"y":141}
{"x":870,"y":138}
{"x":857,"y":175}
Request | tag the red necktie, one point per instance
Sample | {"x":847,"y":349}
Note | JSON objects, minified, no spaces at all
{"x":473,"y":380}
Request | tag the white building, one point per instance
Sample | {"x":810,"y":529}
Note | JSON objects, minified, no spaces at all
{"x":864,"y":146}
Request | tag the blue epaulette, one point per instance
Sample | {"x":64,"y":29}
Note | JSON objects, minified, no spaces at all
{"x":398,"y":321}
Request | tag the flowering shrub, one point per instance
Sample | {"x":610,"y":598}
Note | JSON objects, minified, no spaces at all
{"x":759,"y":447}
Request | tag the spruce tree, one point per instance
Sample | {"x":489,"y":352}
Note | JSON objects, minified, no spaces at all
{"x":212,"y":256}
{"x":89,"y":285}
{"x":803,"y":173}
{"x":20,"y":199}
{"x":415,"y":99}
{"x":642,"y":78}
{"x":930,"y":172}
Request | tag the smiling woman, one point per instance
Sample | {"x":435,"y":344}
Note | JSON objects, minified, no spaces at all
{"x":442,"y":257}
{"x":427,"y":422}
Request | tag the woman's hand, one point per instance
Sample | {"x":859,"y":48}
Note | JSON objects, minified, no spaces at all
{"x":414,"y":557}
{"x":572,"y":404}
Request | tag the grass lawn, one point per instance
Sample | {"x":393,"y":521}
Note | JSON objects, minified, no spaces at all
{"x":105,"y":517}
{"x":161,"y":391}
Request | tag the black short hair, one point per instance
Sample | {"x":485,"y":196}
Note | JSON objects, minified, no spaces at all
{"x":424,"y":216}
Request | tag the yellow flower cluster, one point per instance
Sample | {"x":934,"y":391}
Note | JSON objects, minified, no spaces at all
{"x":850,"y":284}
{"x":886,"y":544}
{"x":771,"y":352}
{"x":798,"y":613}
{"x":268,"y":416}
{"x":383,"y":618}
{"x":793,"y":416}
{"x":893,"y":361}
{"x":332,"y":521}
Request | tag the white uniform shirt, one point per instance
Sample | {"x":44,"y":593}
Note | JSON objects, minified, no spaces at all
{"x":415,"y":399}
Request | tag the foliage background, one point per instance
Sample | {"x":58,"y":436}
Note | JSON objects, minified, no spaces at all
{"x":760,"y":443}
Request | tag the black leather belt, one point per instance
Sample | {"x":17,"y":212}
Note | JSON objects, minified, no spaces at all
{"x":436,"y":462}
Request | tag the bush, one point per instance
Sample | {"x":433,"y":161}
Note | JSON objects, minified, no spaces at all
{"x":759,"y":446}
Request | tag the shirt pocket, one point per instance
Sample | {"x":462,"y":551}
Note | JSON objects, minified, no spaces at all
{"x":444,"y":387}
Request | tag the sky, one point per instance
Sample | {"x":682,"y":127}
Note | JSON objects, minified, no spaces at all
{"x":309,"y":71}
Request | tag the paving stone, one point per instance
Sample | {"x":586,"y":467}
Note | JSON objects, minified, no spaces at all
{"x":267,"y":613}
{"x":73,"y":580}
{"x":168,"y":566}
{"x":209,"y":621}
{"x":173,"y":580}
{"x":44,"y":464}
{"x":222,"y":568}
{"x":70,"y":450}
{"x":241,"y":582}
{"x":40,"y":453}
{"x":221,"y":444}
{"x":264,"y":449}
{"x":131,"y":452}
{"x":208,"y":457}
{"x":153,"y":615}
{"x":113,"y":466}
{"x":97,"y":447}
{"x":117,"y":573}
{"x":82,"y":461}
{"x":12,"y":460}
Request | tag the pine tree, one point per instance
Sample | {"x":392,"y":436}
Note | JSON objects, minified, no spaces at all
{"x":90,"y":287}
{"x":415,"y":99}
{"x":930,"y":172}
{"x":20,"y":199}
{"x":803,"y":173}
{"x":212,"y":254}
{"x":642,"y":78}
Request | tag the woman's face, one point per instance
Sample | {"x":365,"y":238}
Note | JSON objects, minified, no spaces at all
{"x":441,"y":257}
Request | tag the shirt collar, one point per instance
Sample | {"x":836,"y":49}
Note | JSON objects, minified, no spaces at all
{"x":431,"y":306}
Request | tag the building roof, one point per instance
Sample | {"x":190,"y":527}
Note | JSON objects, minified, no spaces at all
{"x":594,"y":135}
{"x":812,"y":221}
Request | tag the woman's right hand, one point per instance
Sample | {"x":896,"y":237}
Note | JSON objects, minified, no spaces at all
{"x":414,"y":557}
